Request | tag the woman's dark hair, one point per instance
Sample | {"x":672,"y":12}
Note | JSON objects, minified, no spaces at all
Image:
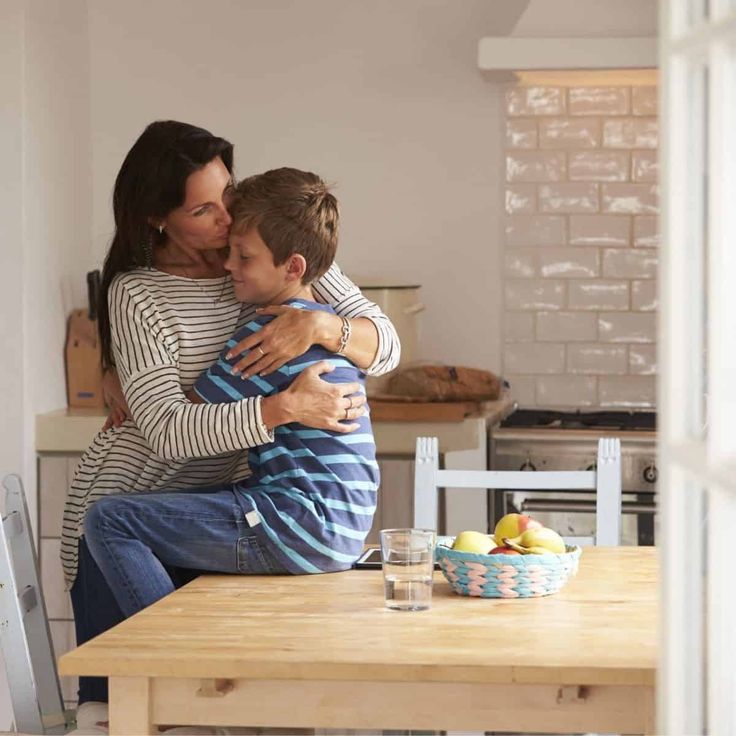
{"x":151,"y":182}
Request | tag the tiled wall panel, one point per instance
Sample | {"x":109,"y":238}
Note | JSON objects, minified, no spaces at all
{"x":582,"y":239}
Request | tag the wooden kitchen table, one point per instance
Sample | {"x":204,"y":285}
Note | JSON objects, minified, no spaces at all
{"x":321,"y":651}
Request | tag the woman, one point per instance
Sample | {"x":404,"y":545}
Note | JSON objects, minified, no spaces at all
{"x":164,"y":320}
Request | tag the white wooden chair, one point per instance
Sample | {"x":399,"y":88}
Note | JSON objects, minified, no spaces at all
{"x":25,"y":638}
{"x":605,"y":481}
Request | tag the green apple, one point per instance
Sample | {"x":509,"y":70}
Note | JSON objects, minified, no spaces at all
{"x":475,"y":542}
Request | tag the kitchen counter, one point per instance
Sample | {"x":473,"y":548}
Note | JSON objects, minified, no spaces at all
{"x":72,"y":430}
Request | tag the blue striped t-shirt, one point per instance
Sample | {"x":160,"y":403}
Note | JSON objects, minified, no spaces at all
{"x":314,"y":490}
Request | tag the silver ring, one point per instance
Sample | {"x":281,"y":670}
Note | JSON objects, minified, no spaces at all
{"x":263,"y":352}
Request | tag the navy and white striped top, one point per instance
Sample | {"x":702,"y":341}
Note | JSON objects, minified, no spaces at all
{"x":313,"y":491}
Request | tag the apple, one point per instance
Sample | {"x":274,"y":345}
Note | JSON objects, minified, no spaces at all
{"x":475,"y":542}
{"x":513,"y":525}
{"x":503,"y":551}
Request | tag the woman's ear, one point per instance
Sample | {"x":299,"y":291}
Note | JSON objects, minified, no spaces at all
{"x":296,"y":267}
{"x":156,"y":223}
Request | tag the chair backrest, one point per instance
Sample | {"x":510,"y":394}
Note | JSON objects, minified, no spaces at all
{"x":25,"y":638}
{"x":605,"y":481}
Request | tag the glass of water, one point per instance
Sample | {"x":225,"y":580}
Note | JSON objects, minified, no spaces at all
{"x":407,"y":557}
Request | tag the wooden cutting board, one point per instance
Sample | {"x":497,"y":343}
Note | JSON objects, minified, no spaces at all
{"x":420,"y":411}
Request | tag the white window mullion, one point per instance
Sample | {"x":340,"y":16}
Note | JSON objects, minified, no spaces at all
{"x":681,"y":390}
{"x":721,"y":520}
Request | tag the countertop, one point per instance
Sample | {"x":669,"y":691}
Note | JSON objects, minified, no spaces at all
{"x":72,"y":430}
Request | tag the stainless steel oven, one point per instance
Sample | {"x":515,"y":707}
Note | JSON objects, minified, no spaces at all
{"x":549,"y":440}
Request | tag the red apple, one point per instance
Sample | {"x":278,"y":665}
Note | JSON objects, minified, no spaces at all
{"x":503,"y":551}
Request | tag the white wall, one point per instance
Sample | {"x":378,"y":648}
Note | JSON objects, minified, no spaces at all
{"x":45,"y":215}
{"x":382,"y":97}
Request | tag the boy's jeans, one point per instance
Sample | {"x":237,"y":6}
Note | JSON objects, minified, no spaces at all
{"x":136,"y":538}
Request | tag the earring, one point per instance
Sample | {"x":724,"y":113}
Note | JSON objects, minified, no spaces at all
{"x":160,"y":229}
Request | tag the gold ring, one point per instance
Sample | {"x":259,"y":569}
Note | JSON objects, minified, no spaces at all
{"x":263,"y":352}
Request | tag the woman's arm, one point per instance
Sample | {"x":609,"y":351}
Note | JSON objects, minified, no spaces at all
{"x":373,"y":344}
{"x":174,"y":427}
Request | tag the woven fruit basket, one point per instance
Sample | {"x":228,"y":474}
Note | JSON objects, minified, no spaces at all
{"x":507,"y":576}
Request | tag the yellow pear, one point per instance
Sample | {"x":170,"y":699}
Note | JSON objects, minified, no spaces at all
{"x":543,"y":538}
{"x":475,"y":542}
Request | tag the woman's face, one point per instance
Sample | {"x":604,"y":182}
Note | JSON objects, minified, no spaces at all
{"x":202,"y":222}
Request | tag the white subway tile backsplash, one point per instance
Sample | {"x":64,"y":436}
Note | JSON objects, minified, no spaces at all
{"x":569,"y":263}
{"x":644,"y":100}
{"x":566,"y":391}
{"x":643,"y":360}
{"x":521,"y":263}
{"x":519,"y":326}
{"x":598,"y":166}
{"x":644,"y":296}
{"x":521,"y":199}
{"x":570,"y":133}
{"x":646,"y":231}
{"x":612,"y":230}
{"x":566,"y":326}
{"x":630,"y":133}
{"x":521,"y":133}
{"x":568,"y":198}
{"x":523,"y":389}
{"x":630,"y":263}
{"x":597,"y":359}
{"x":535,"y":101}
{"x":582,"y":237}
{"x":644,"y":166}
{"x":534,"y":294}
{"x":598,"y":100}
{"x":598,"y":295}
{"x":535,"y":230}
{"x":636,"y":327}
{"x":535,"y":166}
{"x":528,"y":358}
{"x":630,"y":199}
{"x":635,"y":392}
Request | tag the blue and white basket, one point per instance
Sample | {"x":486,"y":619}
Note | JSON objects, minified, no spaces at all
{"x":507,"y":576}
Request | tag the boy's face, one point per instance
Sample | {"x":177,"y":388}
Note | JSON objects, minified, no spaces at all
{"x":256,"y":279}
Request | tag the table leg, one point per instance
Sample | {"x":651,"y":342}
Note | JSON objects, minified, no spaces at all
{"x":131,"y":707}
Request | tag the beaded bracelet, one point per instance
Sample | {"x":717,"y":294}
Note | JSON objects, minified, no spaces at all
{"x":344,"y":336}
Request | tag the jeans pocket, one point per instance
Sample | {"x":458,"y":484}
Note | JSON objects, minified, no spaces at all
{"x":253,"y":559}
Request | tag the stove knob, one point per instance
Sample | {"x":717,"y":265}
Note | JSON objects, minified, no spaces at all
{"x":650,"y":474}
{"x":528,"y":465}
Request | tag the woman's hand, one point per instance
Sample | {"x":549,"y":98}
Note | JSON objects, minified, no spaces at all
{"x":292,"y":333}
{"x":316,"y":403}
{"x":112,"y":392}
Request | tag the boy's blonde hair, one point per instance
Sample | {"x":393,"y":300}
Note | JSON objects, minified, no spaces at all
{"x":294,"y":212}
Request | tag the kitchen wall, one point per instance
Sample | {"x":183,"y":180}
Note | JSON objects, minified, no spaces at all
{"x":581,"y":243}
{"x":382,"y":98}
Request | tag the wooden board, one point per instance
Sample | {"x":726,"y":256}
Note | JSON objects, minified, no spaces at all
{"x":420,"y":411}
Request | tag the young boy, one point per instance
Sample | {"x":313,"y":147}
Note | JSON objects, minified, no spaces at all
{"x":309,"y":502}
{"x":312,"y":493}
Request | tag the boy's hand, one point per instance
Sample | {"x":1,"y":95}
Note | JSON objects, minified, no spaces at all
{"x":291,"y":334}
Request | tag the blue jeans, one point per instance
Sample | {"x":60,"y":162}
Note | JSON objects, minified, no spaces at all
{"x":136,"y":538}
{"x":96,"y":610}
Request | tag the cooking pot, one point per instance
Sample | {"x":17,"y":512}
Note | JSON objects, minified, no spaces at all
{"x":401,"y":304}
